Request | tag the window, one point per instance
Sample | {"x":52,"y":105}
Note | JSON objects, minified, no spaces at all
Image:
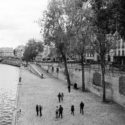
{"x":122,"y":44}
{"x":122,"y":52}
{"x":118,"y":44}
{"x":119,"y":53}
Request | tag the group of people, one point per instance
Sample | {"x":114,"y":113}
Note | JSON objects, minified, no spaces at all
{"x":59,"y":112}
{"x":59,"y":109}
{"x":57,"y":69}
{"x":39,"y":110}
{"x":81,"y":108}
{"x":60,"y":96}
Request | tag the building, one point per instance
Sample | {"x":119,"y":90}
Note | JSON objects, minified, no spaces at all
{"x":5,"y":52}
{"x":119,"y":52}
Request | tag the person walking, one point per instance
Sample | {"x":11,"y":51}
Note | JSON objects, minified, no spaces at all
{"x":72,"y":109}
{"x":40,"y":108}
{"x":20,"y":79}
{"x":59,"y":96}
{"x":62,"y":95}
{"x":81,"y":108}
{"x":57,"y":70}
{"x":52,"y":69}
{"x":60,"y":111}
{"x":57,"y":112}
{"x":37,"y":109}
{"x":69,"y":88}
{"x":42,"y":76}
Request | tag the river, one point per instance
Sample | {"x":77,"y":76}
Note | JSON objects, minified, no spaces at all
{"x":9,"y":76}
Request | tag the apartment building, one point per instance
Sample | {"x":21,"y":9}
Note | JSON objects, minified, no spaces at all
{"x":5,"y":52}
{"x":119,"y":52}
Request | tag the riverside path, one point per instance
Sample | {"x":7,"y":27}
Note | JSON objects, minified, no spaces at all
{"x":35,"y":90}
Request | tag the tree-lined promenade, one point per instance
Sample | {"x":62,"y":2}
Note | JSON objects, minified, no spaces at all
{"x":74,"y":28}
{"x":33,"y":90}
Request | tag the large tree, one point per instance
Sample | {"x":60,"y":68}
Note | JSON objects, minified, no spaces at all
{"x":55,"y":31}
{"x":32,"y":48}
{"x":79,"y":21}
{"x":102,"y":40}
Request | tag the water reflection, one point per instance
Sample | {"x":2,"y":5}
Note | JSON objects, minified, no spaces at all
{"x":8,"y":85}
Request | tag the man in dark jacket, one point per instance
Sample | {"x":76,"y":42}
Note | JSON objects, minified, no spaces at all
{"x":59,"y":96}
{"x":37,"y":109}
{"x":40,"y":108}
{"x":72,"y":109}
{"x":81,"y":108}
{"x":60,"y":111}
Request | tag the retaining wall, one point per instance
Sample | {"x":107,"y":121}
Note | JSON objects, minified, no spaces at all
{"x":112,"y":91}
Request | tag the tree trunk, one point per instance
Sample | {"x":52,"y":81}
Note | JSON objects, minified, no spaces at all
{"x":67,"y":73}
{"x":103,"y":82}
{"x":83,"y":76}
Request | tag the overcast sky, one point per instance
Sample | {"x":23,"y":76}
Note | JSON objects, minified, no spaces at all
{"x":17,"y":21}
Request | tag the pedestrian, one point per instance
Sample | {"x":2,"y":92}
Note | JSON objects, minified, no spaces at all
{"x":60,"y":111}
{"x":37,"y":109}
{"x":57,"y":112}
{"x":42,"y":76}
{"x":52,"y":69}
{"x":69,"y":89}
{"x":62,"y":95}
{"x":59,"y":96}
{"x":20,"y":79}
{"x":72,"y":109}
{"x":40,"y":108}
{"x":81,"y":108}
{"x":57,"y":70}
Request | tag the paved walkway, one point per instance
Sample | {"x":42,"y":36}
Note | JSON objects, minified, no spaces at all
{"x":35,"y":90}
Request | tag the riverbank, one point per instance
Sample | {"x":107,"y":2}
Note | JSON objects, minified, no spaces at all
{"x":35,"y":90}
{"x":9,"y":76}
{"x":17,"y":110}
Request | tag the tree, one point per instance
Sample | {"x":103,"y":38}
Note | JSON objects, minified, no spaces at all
{"x":55,"y":31}
{"x":32,"y":48}
{"x":102,"y":41}
{"x":111,"y":14}
{"x":116,"y":11}
{"x":78,"y":20}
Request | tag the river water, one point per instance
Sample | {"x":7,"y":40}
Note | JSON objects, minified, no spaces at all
{"x":9,"y":77}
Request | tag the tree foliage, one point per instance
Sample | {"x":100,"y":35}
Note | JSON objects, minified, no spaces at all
{"x":102,"y":39}
{"x":110,"y":15}
{"x":32,"y":48}
{"x":78,"y":27}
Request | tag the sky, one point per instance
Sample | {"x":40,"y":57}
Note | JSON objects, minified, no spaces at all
{"x":18,"y":21}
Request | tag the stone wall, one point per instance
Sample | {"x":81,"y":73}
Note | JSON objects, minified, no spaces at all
{"x":114,"y":90}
